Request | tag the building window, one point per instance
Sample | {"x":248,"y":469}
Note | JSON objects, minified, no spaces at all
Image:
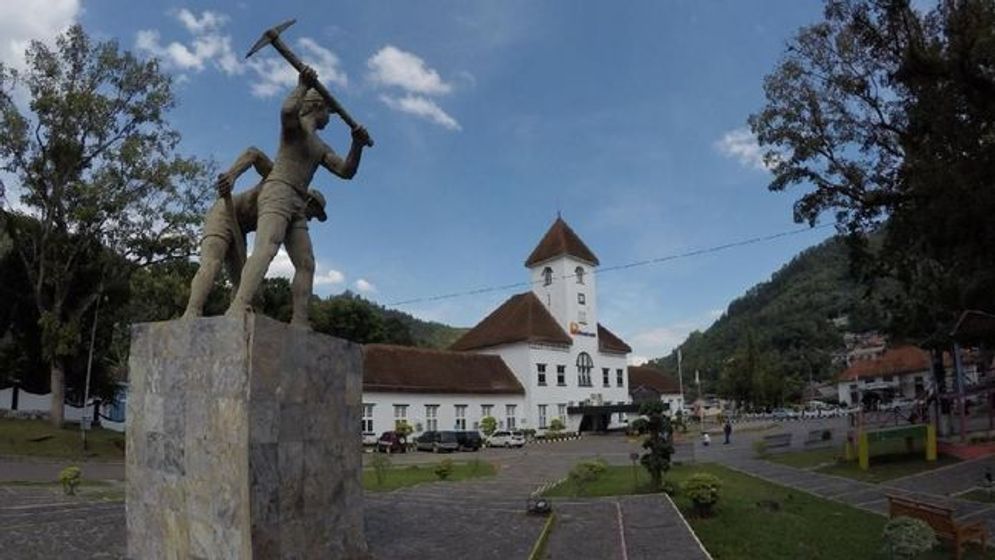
{"x":619,"y":380}
{"x":579,"y":273}
{"x":400,"y":414}
{"x":621,"y":418}
{"x":460,"y":416}
{"x":581,"y":299}
{"x":920,"y":386}
{"x":561,"y":376}
{"x":486,"y":410}
{"x":509,"y":416}
{"x":431,"y":417}
{"x":561,"y":411}
{"x":582,"y":317}
{"x":541,"y":370}
{"x":542,"y":417}
{"x":367,"y":418}
{"x":606,"y":377}
{"x":547,"y":276}
{"x":584,"y":367}
{"x":886,"y":379}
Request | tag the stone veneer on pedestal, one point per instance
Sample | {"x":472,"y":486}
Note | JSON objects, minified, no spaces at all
{"x":243,"y":442}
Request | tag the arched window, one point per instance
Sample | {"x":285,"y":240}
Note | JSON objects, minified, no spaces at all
{"x":579,"y":273}
{"x":547,"y":276}
{"x":584,"y":366}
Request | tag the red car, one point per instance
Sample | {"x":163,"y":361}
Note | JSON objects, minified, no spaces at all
{"x":391,"y":442}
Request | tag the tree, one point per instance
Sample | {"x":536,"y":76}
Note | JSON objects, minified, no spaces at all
{"x":488,"y":424}
{"x":96,"y":170}
{"x":658,"y":444}
{"x":887,"y":111}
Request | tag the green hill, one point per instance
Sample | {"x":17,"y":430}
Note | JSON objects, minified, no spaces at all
{"x":788,"y":328}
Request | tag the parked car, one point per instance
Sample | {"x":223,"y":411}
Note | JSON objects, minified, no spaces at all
{"x":391,"y":442}
{"x":900,"y":403}
{"x":437,"y":441}
{"x":783,"y":414}
{"x":370,"y":439}
{"x":469,"y":440}
{"x":506,"y":439}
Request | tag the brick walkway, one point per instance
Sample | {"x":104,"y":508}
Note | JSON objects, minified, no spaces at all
{"x":482,"y":519}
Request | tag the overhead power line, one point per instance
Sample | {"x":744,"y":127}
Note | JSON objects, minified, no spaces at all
{"x":634,"y":264}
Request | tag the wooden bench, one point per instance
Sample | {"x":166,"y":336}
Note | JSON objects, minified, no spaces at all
{"x":941,"y":519}
{"x":815,"y":438}
{"x":778,"y":440}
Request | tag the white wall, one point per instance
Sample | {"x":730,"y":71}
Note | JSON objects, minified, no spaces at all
{"x":31,"y":402}
{"x":383,"y":409}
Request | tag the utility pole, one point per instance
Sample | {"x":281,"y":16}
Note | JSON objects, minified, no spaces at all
{"x":680,"y":378}
{"x":84,"y":422}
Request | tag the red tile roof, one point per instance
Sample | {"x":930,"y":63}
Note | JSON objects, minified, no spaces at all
{"x":523,"y":318}
{"x":560,"y":240}
{"x":608,"y":342}
{"x":652,"y":378}
{"x":389,"y":368}
{"x":902,"y":360}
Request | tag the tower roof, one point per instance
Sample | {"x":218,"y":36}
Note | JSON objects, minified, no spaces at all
{"x":523,"y":318}
{"x":560,"y":240}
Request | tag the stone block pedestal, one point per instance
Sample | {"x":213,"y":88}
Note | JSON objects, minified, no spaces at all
{"x":243,"y":441}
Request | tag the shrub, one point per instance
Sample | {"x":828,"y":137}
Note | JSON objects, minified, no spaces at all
{"x":584,"y":473}
{"x":905,"y":537}
{"x":70,"y":478}
{"x":403,"y":430}
{"x":475,"y":466}
{"x":760,"y":448}
{"x":488,"y":425}
{"x":529,"y":434}
{"x":556,"y":425}
{"x":380,"y":464}
{"x":703,"y":490}
{"x":444,"y":469}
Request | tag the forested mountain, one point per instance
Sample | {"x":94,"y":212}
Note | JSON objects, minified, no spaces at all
{"x":770,"y":341}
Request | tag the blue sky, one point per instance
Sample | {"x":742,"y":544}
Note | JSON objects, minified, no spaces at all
{"x":489,"y":117}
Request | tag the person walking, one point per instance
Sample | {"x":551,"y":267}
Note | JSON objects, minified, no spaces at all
{"x":727,"y":430}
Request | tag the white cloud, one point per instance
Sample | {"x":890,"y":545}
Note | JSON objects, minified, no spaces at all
{"x":660,"y":341}
{"x":421,"y":107}
{"x":281,"y":267}
{"x":391,"y":66}
{"x":27,"y":20}
{"x":365,"y":286}
{"x":634,"y":360}
{"x":742,"y":145}
{"x":208,"y":45}
{"x":274,"y":75}
{"x":328,"y":278}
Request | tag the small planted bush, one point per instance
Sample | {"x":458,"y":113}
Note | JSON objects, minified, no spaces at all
{"x":703,"y":490}
{"x":585,"y":473}
{"x":556,"y":425}
{"x":488,"y":425}
{"x":380,"y":464}
{"x":906,"y":538}
{"x":444,"y":469}
{"x":70,"y":477}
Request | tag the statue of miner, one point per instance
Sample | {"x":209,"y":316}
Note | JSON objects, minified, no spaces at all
{"x":221,"y":242}
{"x":283,"y":199}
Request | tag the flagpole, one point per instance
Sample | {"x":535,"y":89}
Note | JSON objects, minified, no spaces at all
{"x":680,"y":378}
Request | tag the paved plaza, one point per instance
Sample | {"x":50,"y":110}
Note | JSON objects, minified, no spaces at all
{"x":485,"y":518}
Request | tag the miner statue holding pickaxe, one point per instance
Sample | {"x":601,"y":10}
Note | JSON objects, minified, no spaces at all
{"x":283,"y":200}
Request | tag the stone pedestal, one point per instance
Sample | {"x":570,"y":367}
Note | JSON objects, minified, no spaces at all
{"x":243,"y":442}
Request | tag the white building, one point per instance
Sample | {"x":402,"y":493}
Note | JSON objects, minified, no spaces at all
{"x":901,"y":372}
{"x":646,"y":384}
{"x":566,"y":364}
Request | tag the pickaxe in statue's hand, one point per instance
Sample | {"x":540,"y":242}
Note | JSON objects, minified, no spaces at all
{"x":272,"y":37}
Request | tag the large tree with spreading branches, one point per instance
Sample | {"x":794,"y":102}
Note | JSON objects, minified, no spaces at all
{"x":92,"y":161}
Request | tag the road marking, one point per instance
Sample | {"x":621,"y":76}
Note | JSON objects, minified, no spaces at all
{"x":621,"y":531}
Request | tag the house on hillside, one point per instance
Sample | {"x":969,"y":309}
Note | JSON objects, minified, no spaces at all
{"x":649,"y":384}
{"x":901,"y":372}
{"x":565,"y":363}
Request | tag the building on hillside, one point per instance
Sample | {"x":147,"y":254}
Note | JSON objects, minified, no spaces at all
{"x":566,"y":364}
{"x":649,"y":384}
{"x":901,"y":372}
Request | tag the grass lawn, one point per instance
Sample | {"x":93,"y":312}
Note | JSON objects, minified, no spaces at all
{"x":399,"y":477}
{"x":889,"y":460}
{"x":37,"y":438}
{"x":757,"y":520}
{"x":616,"y":481}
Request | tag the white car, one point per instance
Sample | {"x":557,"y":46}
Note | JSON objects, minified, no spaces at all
{"x":506,"y":439}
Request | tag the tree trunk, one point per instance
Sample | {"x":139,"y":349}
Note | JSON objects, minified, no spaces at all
{"x":58,"y":383}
